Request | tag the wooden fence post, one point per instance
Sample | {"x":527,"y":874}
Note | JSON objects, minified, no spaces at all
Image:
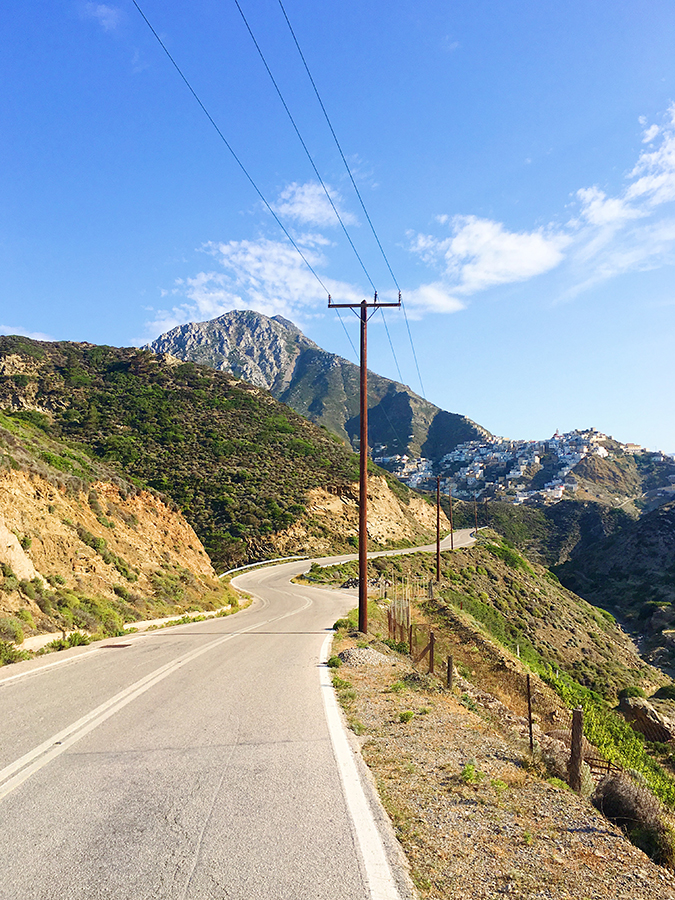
{"x":410,"y":639}
{"x":432,"y":641}
{"x":529,"y":712}
{"x":450,"y":671}
{"x":577,"y":754}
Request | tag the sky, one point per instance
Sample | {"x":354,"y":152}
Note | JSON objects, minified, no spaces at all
{"x":516,"y":159}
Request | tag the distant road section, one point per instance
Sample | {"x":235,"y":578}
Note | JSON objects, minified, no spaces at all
{"x":197,"y":762}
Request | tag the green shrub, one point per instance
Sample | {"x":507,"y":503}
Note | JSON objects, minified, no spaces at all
{"x":398,"y":646}
{"x":56,"y":579}
{"x":10,"y":583}
{"x":45,"y":605}
{"x":470,"y":774}
{"x":9,"y":654}
{"x":632,"y":690}
{"x":11,"y":630}
{"x":78,"y":639}
{"x":334,"y":662}
{"x":406,"y":716}
{"x":28,"y":588}
{"x":26,"y":616}
{"x":667,"y":692}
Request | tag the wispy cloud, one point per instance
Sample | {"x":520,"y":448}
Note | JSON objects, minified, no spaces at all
{"x":608,"y":235}
{"x":109,"y":17}
{"x":265,"y":275}
{"x":308,"y":204}
{"x":480,"y":253}
{"x":25,"y":332}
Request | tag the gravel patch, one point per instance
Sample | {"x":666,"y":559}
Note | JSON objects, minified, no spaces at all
{"x":365,"y":656}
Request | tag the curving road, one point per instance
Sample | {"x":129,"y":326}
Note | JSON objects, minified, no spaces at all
{"x":201,"y":761}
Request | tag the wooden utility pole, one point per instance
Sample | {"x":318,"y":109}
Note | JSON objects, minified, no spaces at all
{"x":438,"y":528}
{"x":452,"y":530}
{"x":364,"y":306}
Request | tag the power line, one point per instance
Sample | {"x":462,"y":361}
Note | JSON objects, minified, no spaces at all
{"x":393,"y":352}
{"x":304,"y":145}
{"x":337,"y":143}
{"x":349,"y":337}
{"x":412,"y":346}
{"x":358,"y":194}
{"x":230,"y":148}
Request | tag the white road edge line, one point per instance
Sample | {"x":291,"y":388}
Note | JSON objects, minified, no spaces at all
{"x":381,"y":882}
{"x":14,"y":775}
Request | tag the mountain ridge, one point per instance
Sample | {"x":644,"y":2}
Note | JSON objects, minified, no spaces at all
{"x":273,"y":353}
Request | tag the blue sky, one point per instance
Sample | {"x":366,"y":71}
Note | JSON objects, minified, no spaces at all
{"x":517,"y":160}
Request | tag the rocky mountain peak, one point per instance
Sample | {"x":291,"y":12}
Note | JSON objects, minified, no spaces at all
{"x":274,"y":354}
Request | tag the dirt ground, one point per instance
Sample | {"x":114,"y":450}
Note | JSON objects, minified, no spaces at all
{"x":474,"y":813}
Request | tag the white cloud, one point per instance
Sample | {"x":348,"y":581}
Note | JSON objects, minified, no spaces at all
{"x":433,"y":297}
{"x":632,"y":230}
{"x":481,"y":254}
{"x":25,"y":332}
{"x":650,"y":134}
{"x":599,"y":209}
{"x":268,"y":276}
{"x":109,"y":17}
{"x":654,"y":172}
{"x":309,"y":205}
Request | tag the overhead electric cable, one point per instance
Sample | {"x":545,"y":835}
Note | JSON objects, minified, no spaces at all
{"x":393,"y":352}
{"x":304,"y":145}
{"x":337,"y":143}
{"x":358,"y":194}
{"x":349,"y":337}
{"x":412,"y":347}
{"x":230,"y":148}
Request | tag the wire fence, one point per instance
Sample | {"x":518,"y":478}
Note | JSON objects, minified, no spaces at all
{"x":561,"y":739}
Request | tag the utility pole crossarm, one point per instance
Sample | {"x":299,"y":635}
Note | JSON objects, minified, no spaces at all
{"x":372,"y":305}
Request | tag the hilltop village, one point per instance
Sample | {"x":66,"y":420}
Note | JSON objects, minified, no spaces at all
{"x":533,"y":472}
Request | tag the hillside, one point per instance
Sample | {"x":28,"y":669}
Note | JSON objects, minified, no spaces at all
{"x":608,"y":557}
{"x":549,"y":534}
{"x":90,"y":550}
{"x":239,"y":464}
{"x":323,"y":387}
{"x":632,"y":573}
{"x":520,"y":604}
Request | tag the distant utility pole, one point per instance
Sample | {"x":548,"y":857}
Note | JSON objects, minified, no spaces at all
{"x":475,"y":513}
{"x":452,"y":530}
{"x":364,"y":306}
{"x":438,"y":528}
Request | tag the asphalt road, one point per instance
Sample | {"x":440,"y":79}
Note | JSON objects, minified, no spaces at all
{"x":200,"y":761}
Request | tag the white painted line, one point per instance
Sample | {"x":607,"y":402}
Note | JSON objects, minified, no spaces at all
{"x":14,"y":775}
{"x":380,"y":879}
{"x":58,"y":662}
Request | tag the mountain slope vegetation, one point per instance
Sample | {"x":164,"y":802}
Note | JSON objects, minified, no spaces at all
{"x":83,"y":548}
{"x":237,"y":462}
{"x":323,"y":387}
{"x":604,"y":555}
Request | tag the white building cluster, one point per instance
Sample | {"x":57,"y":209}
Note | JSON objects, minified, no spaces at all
{"x":505,"y":469}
